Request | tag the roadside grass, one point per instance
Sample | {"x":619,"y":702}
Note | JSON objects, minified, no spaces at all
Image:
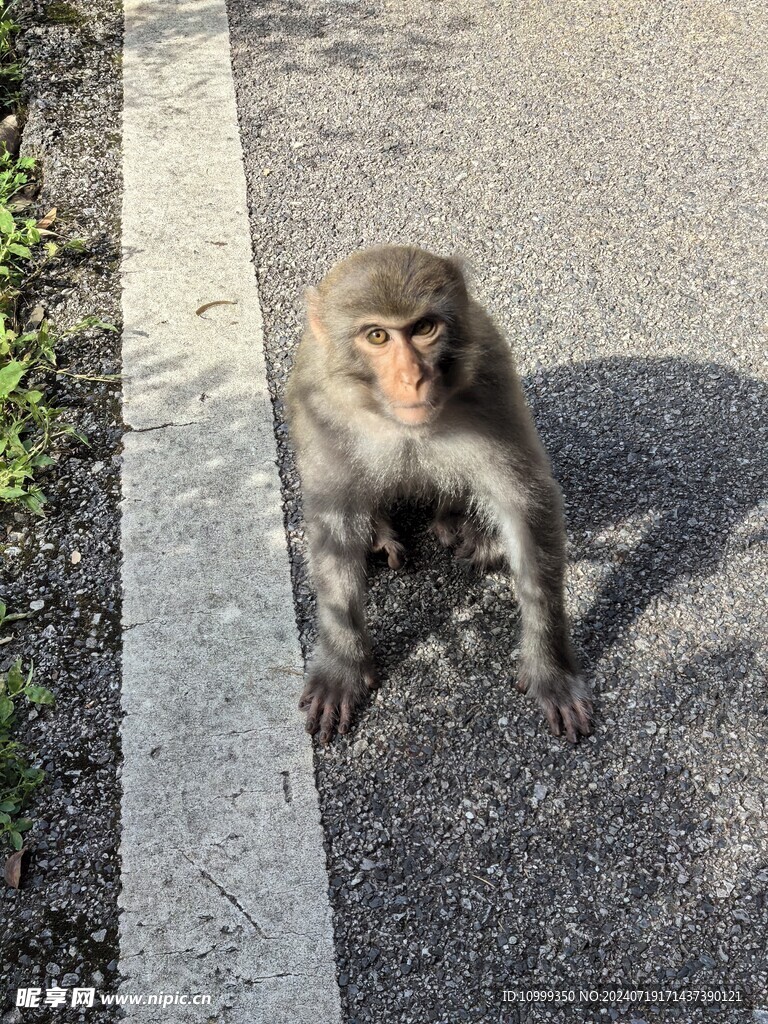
{"x":17,"y":777}
{"x":18,"y":458}
{"x":27,"y":421}
{"x":30,"y":424}
{"x":10,"y":70}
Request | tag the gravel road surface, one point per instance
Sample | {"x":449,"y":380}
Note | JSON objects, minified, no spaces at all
{"x":598,"y":165}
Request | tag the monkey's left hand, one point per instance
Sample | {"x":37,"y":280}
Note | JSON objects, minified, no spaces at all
{"x":565,"y":704}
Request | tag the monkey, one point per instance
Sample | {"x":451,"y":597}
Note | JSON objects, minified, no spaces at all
{"x":403,"y":387}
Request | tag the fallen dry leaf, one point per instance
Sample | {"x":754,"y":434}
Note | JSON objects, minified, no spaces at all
{"x":9,"y":134}
{"x":13,"y":867}
{"x":36,"y":317}
{"x":15,"y":205}
{"x":217,"y":302}
{"x":75,"y":557}
{"x":46,"y":221}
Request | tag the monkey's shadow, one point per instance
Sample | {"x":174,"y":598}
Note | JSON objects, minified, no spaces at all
{"x":676,"y":449}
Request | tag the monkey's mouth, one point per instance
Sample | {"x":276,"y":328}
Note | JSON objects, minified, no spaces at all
{"x":413,"y":413}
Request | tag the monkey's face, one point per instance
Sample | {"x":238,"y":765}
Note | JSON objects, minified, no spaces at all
{"x":403,"y":360}
{"x":389,"y":319}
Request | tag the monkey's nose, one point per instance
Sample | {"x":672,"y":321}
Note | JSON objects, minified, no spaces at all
{"x":414,"y":376}
{"x":412,"y":382}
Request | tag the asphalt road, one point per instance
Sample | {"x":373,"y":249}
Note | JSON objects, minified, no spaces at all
{"x":598,"y":165}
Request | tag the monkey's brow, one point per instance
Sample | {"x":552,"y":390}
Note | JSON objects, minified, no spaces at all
{"x":395,"y":325}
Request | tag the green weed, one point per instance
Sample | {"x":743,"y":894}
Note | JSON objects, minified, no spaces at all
{"x":29,"y":425}
{"x":10,"y":71}
{"x":17,"y":777}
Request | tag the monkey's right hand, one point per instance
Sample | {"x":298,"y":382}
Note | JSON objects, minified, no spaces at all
{"x":333,"y":695}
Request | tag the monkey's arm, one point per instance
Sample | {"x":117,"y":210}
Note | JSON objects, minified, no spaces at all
{"x":340,"y":674}
{"x":339,"y":525}
{"x":529,"y":517}
{"x":526,"y":506}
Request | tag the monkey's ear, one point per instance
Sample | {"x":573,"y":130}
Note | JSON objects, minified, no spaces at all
{"x":312,"y":299}
{"x":464,"y":276}
{"x":460,"y":264}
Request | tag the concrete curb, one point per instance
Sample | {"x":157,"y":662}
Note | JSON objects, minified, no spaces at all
{"x":224,"y":887}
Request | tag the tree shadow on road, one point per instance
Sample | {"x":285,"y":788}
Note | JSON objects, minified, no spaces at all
{"x":679,"y":445}
{"x":657,"y":817}
{"x":675,"y":449}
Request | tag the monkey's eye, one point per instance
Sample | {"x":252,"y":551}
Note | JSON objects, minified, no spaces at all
{"x":424,"y":327}
{"x":377,"y":336}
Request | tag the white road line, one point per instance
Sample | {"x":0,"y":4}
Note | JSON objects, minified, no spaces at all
{"x":224,"y":881}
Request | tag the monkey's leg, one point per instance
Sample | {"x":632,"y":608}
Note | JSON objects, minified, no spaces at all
{"x":385,"y":539}
{"x":446,"y":526}
{"x":340,"y":674}
{"x":470,"y":540}
{"x":535,"y":539}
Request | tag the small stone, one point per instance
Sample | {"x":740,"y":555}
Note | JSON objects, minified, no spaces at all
{"x":100,"y":935}
{"x":37,"y":606}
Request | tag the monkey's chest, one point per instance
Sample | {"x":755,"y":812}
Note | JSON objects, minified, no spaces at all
{"x":406,"y":467}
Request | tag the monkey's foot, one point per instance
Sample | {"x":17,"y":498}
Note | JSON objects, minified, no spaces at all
{"x":385,"y":539}
{"x":447,"y":529}
{"x":565,"y":704}
{"x":331,"y":705}
{"x":471,"y":543}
